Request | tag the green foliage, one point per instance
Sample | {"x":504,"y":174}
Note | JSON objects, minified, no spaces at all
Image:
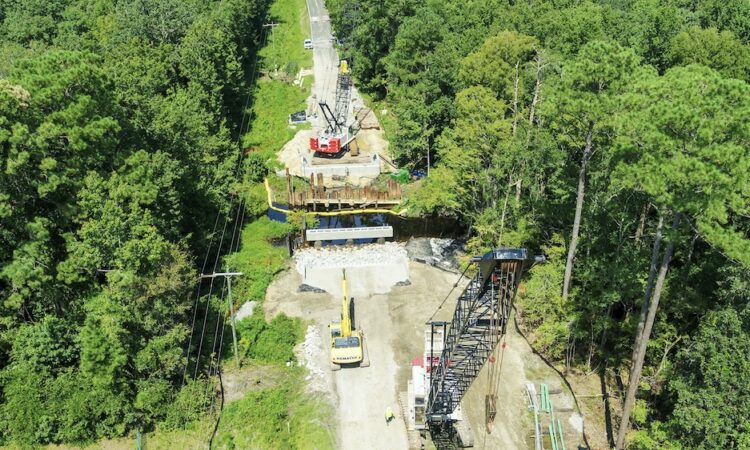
{"x":529,"y":109}
{"x":157,"y":21}
{"x":438,"y":194}
{"x":25,"y":21}
{"x":721,"y":51}
{"x":650,"y":26}
{"x":102,"y":341}
{"x":256,"y":199}
{"x":274,"y":101}
{"x":269,"y":342}
{"x":709,"y":383}
{"x":188,"y":405}
{"x":300,"y":220}
{"x":683,"y":143}
{"x":567,"y":30}
{"x":497,"y":62}
{"x":543,"y":308}
{"x":258,"y":259}
{"x":117,"y":148}
{"x":285,"y":50}
{"x":653,"y":438}
{"x":732,"y":15}
{"x":276,"y":418}
{"x":255,"y":167}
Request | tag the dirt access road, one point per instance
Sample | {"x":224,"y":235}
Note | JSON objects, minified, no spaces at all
{"x":394,"y":324}
{"x":360,"y":396}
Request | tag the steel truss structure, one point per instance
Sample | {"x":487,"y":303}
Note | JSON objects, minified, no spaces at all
{"x":478,"y":324}
{"x":343,"y":99}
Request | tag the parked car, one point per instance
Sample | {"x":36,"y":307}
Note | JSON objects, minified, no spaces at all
{"x":308,"y":44}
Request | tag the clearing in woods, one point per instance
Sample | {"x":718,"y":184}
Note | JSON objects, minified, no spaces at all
{"x":393,"y":324}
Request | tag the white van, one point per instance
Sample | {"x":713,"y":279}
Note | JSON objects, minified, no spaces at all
{"x":308,"y":44}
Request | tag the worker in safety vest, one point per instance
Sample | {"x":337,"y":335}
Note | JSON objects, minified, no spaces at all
{"x":388,"y":415}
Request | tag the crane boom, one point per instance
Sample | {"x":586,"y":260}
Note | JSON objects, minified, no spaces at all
{"x":335,"y":137}
{"x":343,"y":94}
{"x":478,"y":323}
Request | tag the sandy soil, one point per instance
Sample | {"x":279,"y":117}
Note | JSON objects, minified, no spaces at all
{"x":393,"y":324}
{"x":360,"y":395}
{"x":370,"y":142}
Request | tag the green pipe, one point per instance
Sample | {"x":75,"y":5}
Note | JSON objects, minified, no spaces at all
{"x":562,"y":435}
{"x":552,"y":439}
{"x":541,"y":397}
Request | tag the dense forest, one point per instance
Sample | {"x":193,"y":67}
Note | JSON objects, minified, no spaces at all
{"x":611,"y":135}
{"x":119,"y":125}
{"x":614,"y":136}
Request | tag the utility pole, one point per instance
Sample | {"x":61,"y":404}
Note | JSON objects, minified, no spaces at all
{"x":272,"y":26}
{"x":228,"y":277}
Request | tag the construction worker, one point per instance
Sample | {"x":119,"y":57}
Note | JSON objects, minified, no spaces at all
{"x":388,"y":415}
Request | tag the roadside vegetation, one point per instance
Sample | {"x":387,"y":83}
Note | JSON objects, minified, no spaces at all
{"x":121,"y":126}
{"x":280,"y":91}
{"x":613,"y":137}
{"x":283,"y":416}
{"x":118,"y":125}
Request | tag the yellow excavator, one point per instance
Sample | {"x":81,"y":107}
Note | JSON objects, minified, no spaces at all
{"x":347,"y":344}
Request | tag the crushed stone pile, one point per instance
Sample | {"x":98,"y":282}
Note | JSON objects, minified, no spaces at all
{"x":442,"y":253}
{"x":360,"y":256}
{"x":311,"y":352}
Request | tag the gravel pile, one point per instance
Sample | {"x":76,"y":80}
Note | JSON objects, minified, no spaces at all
{"x":439,"y":252}
{"x":311,"y":352}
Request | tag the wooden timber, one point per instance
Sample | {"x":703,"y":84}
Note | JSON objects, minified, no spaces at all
{"x":320,"y":197}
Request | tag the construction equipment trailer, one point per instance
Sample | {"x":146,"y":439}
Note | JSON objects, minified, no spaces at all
{"x":456,"y":351}
{"x":335,"y":137}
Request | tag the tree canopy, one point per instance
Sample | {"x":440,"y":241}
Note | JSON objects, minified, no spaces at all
{"x":615,"y":132}
{"x":118,"y":142}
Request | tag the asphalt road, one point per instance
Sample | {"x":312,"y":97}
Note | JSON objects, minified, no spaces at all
{"x":325,"y":57}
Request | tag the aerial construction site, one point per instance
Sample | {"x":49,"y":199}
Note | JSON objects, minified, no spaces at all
{"x":410,"y":339}
{"x":386,"y":225}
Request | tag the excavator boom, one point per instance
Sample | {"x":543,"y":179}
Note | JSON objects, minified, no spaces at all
{"x":346,"y":320}
{"x":347,"y":343}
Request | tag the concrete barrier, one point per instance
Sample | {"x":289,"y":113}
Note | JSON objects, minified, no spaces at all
{"x":333,"y":234}
{"x":368,"y":169}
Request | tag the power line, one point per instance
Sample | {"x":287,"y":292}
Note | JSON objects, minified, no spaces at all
{"x":208,"y":299}
{"x":235,"y":241}
{"x":195,"y":303}
{"x":240,"y":132}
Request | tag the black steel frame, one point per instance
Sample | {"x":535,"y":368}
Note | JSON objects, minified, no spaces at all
{"x":479,"y":321}
{"x":330,"y":118}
